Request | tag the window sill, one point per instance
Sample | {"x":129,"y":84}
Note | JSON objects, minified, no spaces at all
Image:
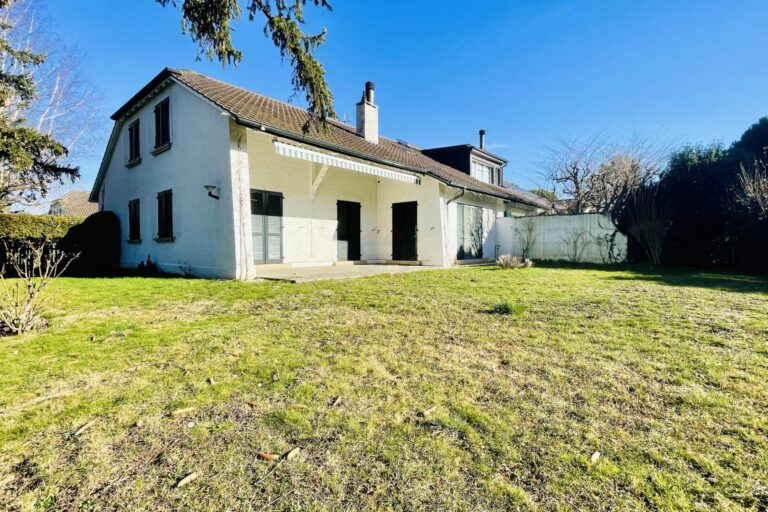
{"x":133,"y":163}
{"x":161,"y":149}
{"x":130,"y":241}
{"x":165,"y":240}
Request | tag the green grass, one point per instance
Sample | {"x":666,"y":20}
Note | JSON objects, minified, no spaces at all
{"x":465,"y":389}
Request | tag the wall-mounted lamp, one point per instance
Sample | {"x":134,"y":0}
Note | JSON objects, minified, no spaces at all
{"x":212,"y":191}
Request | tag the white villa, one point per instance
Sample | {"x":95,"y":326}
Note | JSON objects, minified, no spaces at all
{"x":211,"y":178}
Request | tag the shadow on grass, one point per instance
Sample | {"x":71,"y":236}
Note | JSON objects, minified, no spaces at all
{"x":672,"y":276}
{"x":698,"y":278}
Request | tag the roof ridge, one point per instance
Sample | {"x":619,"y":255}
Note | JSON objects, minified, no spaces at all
{"x":258,"y":109}
{"x":334,"y":121}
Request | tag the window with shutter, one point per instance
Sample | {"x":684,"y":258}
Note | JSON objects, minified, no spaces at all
{"x":165,"y":216}
{"x":267,"y":226}
{"x":162,"y":126}
{"x":134,"y":147}
{"x":134,"y":222}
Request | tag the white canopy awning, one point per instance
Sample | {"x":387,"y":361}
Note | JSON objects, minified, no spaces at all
{"x":344,"y":163}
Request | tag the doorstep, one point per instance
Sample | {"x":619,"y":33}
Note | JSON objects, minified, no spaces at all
{"x":349,"y":263}
{"x":462,"y":263}
{"x":410,"y":263}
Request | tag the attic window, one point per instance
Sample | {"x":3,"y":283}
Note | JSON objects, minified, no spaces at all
{"x":134,"y":148}
{"x":484,"y":172}
{"x":162,"y":126}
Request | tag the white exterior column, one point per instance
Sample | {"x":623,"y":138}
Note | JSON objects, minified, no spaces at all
{"x":241,"y":201}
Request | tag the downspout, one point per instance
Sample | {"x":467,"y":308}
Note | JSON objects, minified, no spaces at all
{"x":457,"y":196}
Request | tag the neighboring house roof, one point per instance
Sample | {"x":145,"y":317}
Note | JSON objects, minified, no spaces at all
{"x":73,"y":204}
{"x":279,"y":118}
{"x":540,"y":201}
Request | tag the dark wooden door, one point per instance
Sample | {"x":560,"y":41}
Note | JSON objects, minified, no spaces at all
{"x":404,"y":230}
{"x":348,"y":230}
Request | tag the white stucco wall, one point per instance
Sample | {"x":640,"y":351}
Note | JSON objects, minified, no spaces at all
{"x":492,"y":208}
{"x":199,"y":155}
{"x":429,"y":239}
{"x":563,"y":237}
{"x":309,"y":223}
{"x":213,"y":237}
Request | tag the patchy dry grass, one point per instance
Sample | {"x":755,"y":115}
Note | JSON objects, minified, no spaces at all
{"x":467,"y":389}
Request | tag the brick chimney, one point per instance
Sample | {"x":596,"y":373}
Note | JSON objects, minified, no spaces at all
{"x":368,"y":116}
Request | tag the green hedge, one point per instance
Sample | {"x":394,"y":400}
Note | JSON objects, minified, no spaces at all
{"x":96,"y":239}
{"x":18,"y":226}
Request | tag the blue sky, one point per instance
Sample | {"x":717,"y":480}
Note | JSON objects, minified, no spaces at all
{"x":529,"y":73}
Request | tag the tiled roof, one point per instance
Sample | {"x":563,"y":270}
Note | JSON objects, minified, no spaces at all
{"x":74,"y":204}
{"x":256,"y":109}
{"x":527,"y":193}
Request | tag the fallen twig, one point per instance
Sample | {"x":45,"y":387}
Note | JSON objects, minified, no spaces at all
{"x":187,"y":479}
{"x":82,"y":429}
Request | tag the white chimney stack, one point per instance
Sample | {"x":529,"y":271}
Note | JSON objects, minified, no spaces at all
{"x":368,"y":116}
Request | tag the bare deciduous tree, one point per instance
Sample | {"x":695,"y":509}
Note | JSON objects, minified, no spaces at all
{"x":752,"y":192}
{"x":646,"y":217}
{"x":526,"y":238}
{"x":35,"y":265}
{"x":570,"y":168}
{"x":66,"y":105}
{"x":576,"y":243}
{"x":599,"y":175}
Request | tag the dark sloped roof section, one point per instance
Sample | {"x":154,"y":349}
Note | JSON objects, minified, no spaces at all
{"x":256,"y":109}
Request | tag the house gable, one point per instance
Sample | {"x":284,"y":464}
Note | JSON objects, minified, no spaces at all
{"x":142,"y":102}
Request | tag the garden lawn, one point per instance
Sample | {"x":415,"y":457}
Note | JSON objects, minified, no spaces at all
{"x":461,"y":389}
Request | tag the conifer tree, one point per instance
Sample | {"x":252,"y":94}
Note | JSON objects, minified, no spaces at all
{"x":208,"y":23}
{"x":30,"y":161}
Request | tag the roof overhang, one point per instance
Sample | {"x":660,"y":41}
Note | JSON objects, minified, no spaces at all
{"x":336,"y":149}
{"x":166,"y":76}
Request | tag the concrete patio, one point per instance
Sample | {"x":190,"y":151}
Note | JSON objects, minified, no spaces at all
{"x":308,"y":274}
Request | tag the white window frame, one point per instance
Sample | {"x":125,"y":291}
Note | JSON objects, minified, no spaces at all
{"x":483,"y":171}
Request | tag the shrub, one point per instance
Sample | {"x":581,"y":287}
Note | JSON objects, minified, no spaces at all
{"x":148,"y":268}
{"x":19,"y":230}
{"x":507,"y":261}
{"x":97,"y":240}
{"x":505,"y":308}
{"x":22,"y":226}
{"x":35,"y":264}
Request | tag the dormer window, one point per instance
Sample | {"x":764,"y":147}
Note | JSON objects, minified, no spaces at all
{"x":162,"y":126}
{"x":484,"y":172}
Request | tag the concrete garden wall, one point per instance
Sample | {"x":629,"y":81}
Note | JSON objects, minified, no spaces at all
{"x":589,"y":237}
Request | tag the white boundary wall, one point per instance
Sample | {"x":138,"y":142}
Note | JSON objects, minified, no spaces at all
{"x":582,"y":238}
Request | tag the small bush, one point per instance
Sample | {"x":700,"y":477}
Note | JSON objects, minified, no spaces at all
{"x":35,"y":265}
{"x":507,"y":261}
{"x":148,"y":268}
{"x":505,"y":308}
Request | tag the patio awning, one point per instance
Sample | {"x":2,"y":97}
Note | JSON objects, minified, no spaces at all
{"x":344,"y":163}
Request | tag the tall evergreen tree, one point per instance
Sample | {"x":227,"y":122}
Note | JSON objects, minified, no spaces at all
{"x":208,"y":23}
{"x":30,"y":161}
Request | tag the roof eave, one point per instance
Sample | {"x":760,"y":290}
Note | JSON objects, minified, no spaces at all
{"x":344,"y":151}
{"x":157,"y":81}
